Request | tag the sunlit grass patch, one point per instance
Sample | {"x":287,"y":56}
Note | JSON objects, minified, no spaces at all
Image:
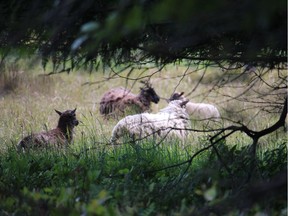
{"x":31,"y":108}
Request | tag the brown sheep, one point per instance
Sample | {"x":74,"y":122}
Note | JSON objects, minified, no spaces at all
{"x":117,"y":101}
{"x":62,"y":135}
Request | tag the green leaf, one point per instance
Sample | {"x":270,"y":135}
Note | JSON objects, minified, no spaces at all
{"x":151,"y":187}
{"x":124,"y":171}
{"x":211,"y":193}
{"x":89,"y":27}
{"x":78,"y":42}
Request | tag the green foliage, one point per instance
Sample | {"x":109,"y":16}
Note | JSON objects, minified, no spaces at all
{"x":118,"y":32}
{"x":129,"y":179}
{"x":273,"y":161}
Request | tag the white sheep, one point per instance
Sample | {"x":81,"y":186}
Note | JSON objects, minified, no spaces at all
{"x":116,"y":102}
{"x":172,"y":121}
{"x":198,"y":111}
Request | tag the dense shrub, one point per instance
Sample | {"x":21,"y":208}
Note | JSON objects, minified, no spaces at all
{"x":136,"y":180}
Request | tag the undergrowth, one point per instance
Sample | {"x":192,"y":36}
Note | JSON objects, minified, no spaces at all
{"x":134,"y":180}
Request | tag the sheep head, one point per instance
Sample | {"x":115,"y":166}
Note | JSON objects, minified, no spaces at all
{"x":149,"y":92}
{"x":183,"y":103}
{"x":177,"y":96}
{"x":67,"y":118}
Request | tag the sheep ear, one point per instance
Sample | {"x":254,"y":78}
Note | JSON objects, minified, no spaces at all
{"x":181,"y":94}
{"x":73,"y":111}
{"x":183,"y":104}
{"x":146,"y":83}
{"x":59,"y":113}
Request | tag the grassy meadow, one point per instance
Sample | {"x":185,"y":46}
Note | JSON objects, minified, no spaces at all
{"x":94,"y":178}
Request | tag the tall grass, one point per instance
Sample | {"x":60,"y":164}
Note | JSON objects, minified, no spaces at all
{"x":126,"y":179}
{"x":92,"y":177}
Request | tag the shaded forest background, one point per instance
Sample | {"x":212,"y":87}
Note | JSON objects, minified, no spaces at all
{"x":80,"y":32}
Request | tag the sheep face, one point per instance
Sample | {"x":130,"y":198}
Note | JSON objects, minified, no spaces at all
{"x":67,"y":119}
{"x":176,"y":96}
{"x":150,"y":93}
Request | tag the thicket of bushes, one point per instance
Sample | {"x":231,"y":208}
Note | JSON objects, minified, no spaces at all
{"x":136,"y":180}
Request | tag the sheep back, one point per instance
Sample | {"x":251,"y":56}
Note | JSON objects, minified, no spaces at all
{"x":202,"y":111}
{"x":119,"y":101}
{"x":53,"y":138}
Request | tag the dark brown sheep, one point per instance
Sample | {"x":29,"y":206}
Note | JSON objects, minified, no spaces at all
{"x":62,"y":135}
{"x":116,"y":102}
